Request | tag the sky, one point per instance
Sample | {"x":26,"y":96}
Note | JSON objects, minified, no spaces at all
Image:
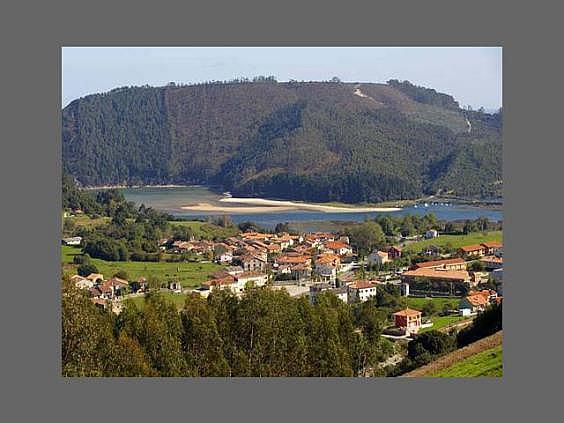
{"x":472,"y":75}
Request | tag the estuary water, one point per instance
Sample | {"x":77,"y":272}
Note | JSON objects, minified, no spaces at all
{"x":172,"y":199}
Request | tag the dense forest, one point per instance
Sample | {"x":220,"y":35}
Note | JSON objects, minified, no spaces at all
{"x":264,"y":333}
{"x":317,"y":141}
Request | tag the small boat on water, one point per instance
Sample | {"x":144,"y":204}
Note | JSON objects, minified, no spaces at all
{"x":426,"y":204}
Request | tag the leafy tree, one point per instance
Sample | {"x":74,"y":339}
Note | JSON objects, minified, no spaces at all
{"x":81,"y":259}
{"x":86,"y":340}
{"x":86,"y":269}
{"x":200,"y":339}
{"x":366,"y":237}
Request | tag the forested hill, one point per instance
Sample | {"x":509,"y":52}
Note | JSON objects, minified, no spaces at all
{"x":317,"y":141}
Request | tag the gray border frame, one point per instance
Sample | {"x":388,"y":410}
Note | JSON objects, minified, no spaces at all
{"x":31,"y":174}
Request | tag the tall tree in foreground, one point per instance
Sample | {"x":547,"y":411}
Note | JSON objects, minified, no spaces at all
{"x":200,"y":339}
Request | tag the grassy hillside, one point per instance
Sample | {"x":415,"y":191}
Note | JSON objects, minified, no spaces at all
{"x":188,"y":274}
{"x":488,"y":363}
{"x":314,"y":141}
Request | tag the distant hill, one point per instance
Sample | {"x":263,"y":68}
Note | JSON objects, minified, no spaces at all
{"x":317,"y":141}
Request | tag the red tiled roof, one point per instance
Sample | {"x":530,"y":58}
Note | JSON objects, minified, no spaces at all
{"x":477,"y":299}
{"x":469,"y":248}
{"x":286,"y":259}
{"x":335,"y":245}
{"x":425,"y":272}
{"x":492,"y":244}
{"x":408,"y":312}
{"x":362,"y":284}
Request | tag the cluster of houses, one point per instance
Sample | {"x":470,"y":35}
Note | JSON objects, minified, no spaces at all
{"x":104,"y":292}
{"x":317,"y":262}
{"x":281,"y":258}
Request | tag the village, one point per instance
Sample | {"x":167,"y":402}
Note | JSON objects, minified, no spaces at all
{"x":312,"y":263}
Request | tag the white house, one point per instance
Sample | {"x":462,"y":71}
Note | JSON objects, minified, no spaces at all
{"x":377,"y":257}
{"x":342,"y":293}
{"x":226,"y":257}
{"x":81,"y":282}
{"x":337,"y":247}
{"x":257,"y":279}
{"x":361,"y":291}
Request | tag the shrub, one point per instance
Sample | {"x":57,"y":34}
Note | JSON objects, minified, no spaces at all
{"x":86,"y":269}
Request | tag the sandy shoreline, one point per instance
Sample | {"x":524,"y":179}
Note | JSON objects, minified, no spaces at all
{"x":260,"y":205}
{"x":136,"y":186}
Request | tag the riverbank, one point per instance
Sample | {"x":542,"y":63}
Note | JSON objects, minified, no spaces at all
{"x":99,"y":187}
{"x":261,"y":205}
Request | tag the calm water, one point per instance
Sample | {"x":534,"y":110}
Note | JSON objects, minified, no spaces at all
{"x":172,"y":199}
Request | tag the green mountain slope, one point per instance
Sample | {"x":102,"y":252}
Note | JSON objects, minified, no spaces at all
{"x":320,"y":141}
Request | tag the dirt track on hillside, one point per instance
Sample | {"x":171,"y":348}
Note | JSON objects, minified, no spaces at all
{"x":458,"y":355}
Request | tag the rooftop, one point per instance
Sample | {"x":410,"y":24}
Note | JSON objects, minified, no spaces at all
{"x":362,"y":284}
{"x":436,"y":263}
{"x":469,"y":248}
{"x":408,"y":312}
{"x":425,"y":272}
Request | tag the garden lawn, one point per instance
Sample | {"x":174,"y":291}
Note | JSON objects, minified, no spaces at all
{"x":188,"y":274}
{"x":488,"y":363}
{"x":456,"y":241}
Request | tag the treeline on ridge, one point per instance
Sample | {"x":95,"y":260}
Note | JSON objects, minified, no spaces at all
{"x":300,"y":140}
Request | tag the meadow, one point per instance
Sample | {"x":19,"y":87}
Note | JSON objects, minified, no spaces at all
{"x":188,"y":274}
{"x":488,"y":363}
{"x":456,"y":241}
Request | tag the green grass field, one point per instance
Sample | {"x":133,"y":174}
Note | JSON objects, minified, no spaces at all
{"x":418,"y":303}
{"x":177,"y":299}
{"x":188,"y":274}
{"x":83,"y":220}
{"x":488,"y":363}
{"x":440,"y":322}
{"x":456,"y":241}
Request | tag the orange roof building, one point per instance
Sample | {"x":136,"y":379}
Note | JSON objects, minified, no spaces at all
{"x":443,"y":275}
{"x":447,"y":264}
{"x":408,"y":319}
